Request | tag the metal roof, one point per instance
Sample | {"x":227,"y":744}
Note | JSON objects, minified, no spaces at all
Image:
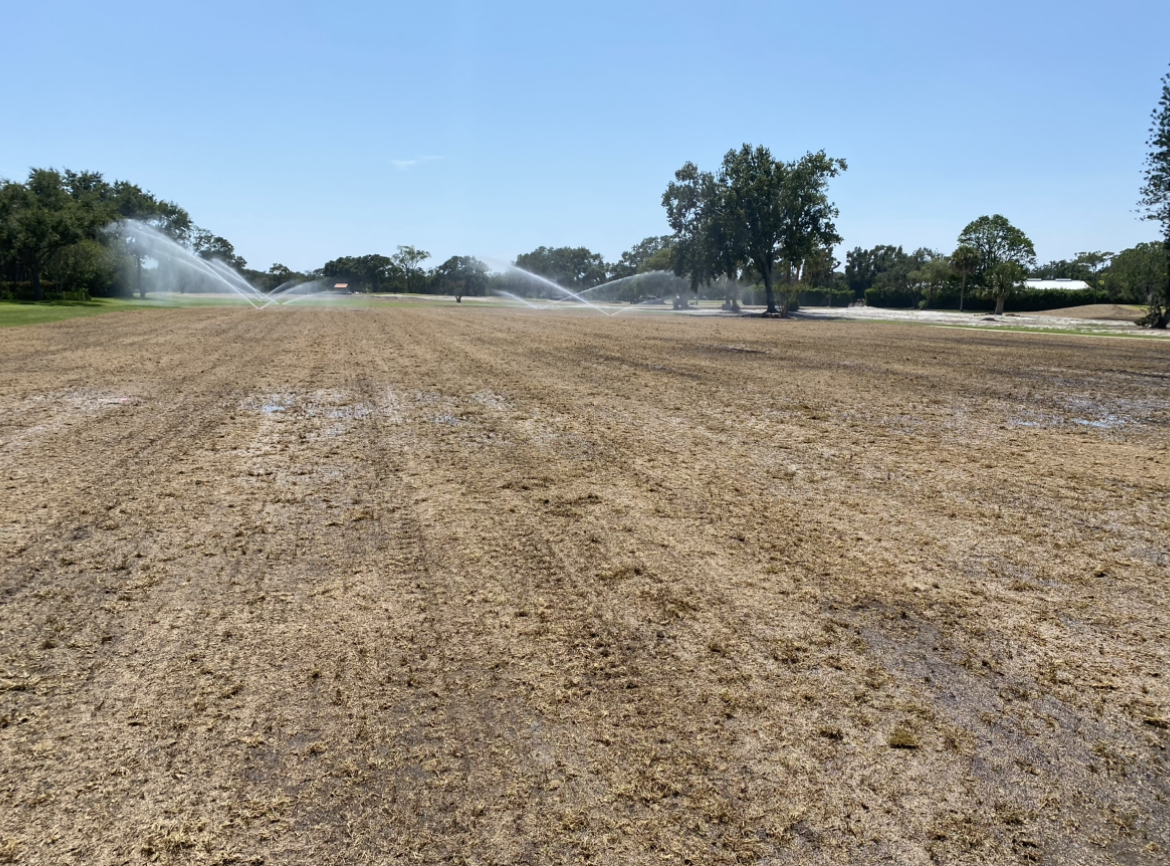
{"x":1075,"y":285}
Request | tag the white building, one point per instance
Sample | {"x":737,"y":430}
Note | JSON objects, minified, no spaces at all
{"x":1061,"y":283}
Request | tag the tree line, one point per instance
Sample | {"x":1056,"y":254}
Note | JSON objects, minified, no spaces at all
{"x":53,"y":230}
{"x":757,"y":221}
{"x":887,"y":275}
{"x":993,"y":257}
{"x":54,"y":244}
{"x":758,"y":217}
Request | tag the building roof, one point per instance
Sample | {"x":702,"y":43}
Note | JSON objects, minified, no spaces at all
{"x":1061,"y":283}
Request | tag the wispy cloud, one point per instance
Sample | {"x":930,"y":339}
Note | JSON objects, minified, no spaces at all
{"x":408,"y":164}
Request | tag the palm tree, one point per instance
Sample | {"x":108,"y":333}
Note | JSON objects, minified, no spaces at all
{"x":964,"y":261}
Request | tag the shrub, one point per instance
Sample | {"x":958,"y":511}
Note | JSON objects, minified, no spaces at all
{"x":1022,"y":301}
{"x":826,"y":298}
{"x":23,"y":291}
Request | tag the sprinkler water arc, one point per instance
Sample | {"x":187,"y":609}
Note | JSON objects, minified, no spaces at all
{"x":565,"y":293}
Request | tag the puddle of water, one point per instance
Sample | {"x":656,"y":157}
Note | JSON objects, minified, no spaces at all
{"x":357,"y":411}
{"x":492,"y":401}
{"x":1106,"y":423}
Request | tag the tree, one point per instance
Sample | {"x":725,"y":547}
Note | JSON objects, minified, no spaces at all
{"x":408,"y":259}
{"x":55,"y":224}
{"x":86,"y":265}
{"x":39,"y":220}
{"x":1139,"y":273}
{"x":648,"y":255}
{"x":1002,"y":279}
{"x":703,"y":246}
{"x":573,"y":268}
{"x":1155,"y":198}
{"x":782,"y":210}
{"x":965,"y":263}
{"x":276,"y":277}
{"x":756,"y":211}
{"x":370,"y":273}
{"x":864,"y":267}
{"x":1092,"y":265}
{"x":461,"y":275}
{"x":659,"y":260}
{"x":820,"y":271}
{"x":932,"y":275}
{"x":998,"y":242}
{"x":210,"y":246}
{"x":1087,"y":266}
{"x":808,"y":225}
{"x":901,"y":271}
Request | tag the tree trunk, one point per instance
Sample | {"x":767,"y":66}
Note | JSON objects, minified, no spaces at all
{"x":141,"y":287}
{"x":784,"y":304}
{"x":769,"y":294}
{"x":999,"y":304}
{"x":1164,"y":319}
{"x":38,"y":295}
{"x":962,"y":292}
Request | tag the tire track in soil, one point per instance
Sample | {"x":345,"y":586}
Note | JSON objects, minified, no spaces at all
{"x":633,"y":609}
{"x":970,"y":787}
{"x":470,"y":602}
{"x":136,"y":452}
{"x":480,"y":361}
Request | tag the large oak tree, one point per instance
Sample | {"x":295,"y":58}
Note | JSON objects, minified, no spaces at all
{"x":758,"y":212}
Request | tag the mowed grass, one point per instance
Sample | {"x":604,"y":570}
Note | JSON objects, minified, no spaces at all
{"x":16,"y":313}
{"x":13,"y":315}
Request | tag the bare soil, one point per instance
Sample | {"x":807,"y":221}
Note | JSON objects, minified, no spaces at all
{"x":1097,"y":312}
{"x":478,"y":585}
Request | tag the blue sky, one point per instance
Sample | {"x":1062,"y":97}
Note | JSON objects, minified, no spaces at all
{"x":305,"y":131}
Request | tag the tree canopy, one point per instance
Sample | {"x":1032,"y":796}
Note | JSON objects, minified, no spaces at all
{"x":755,"y":222}
{"x":574,"y":268}
{"x":1005,"y":254}
{"x":1139,"y":273}
{"x":757,"y":212}
{"x":461,"y":276}
{"x":650,"y":254}
{"x":368,"y":273}
{"x":1155,"y":197}
{"x":52,"y":224}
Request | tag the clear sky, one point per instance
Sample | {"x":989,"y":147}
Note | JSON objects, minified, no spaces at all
{"x":304,"y":131}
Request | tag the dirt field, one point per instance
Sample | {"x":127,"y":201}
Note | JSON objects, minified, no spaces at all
{"x":482,"y":586}
{"x":1100,"y":312}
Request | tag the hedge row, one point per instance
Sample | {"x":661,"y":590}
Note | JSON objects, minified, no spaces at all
{"x":754,"y":296}
{"x":826,"y":298}
{"x":1023,"y":301}
{"x":25,"y":292}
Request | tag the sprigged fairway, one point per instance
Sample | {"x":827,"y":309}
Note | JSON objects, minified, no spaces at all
{"x":389,"y":584}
